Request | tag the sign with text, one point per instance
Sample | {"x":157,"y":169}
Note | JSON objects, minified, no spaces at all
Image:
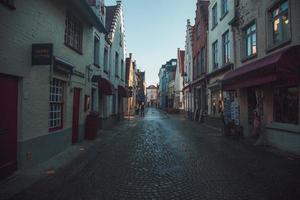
{"x":42,"y":54}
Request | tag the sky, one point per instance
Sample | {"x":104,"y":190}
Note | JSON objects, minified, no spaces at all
{"x":154,"y":29}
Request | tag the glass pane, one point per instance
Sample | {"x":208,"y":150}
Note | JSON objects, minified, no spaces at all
{"x":284,"y":6}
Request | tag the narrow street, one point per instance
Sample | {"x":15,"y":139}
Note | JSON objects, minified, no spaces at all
{"x":164,"y":156}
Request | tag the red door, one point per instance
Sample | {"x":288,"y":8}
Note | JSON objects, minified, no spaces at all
{"x":8,"y":124}
{"x":75,"y":124}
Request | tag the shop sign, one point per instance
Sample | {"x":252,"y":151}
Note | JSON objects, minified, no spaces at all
{"x":42,"y":54}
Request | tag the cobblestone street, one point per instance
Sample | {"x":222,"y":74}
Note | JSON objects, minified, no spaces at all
{"x":165,"y":156}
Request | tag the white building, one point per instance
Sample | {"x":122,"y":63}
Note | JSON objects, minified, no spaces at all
{"x":178,"y":100}
{"x":46,"y":70}
{"x":188,"y":69}
{"x":152,"y":95}
{"x":220,"y":52}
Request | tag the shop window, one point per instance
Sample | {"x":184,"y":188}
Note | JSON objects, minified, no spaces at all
{"x":286,"y":105}
{"x":56,"y":103}
{"x":279,"y":25}
{"x":73,"y":33}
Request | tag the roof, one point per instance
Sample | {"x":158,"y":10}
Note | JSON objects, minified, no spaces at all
{"x":112,"y":15}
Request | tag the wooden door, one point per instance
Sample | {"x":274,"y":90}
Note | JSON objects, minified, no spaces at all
{"x":8,"y":124}
{"x":75,"y":122}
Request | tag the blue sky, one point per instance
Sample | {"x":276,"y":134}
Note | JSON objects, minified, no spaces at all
{"x":154,"y":29}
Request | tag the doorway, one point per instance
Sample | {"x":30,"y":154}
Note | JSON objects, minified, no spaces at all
{"x":75,"y":122}
{"x":8,"y":124}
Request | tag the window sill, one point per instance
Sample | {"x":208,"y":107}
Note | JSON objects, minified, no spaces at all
{"x":273,"y":47}
{"x":76,"y":50}
{"x":249,"y":58}
{"x":292,"y":128}
{"x":214,"y":26}
{"x":224,"y":15}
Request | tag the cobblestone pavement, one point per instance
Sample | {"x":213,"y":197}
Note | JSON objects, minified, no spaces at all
{"x":167,"y":157}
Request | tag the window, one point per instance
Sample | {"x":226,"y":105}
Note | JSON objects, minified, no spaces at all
{"x":96,"y":51}
{"x":73,"y":33}
{"x":202,"y":60}
{"x":117,"y":65}
{"x":215,"y":54}
{"x":279,"y":18}
{"x":122,"y":69}
{"x":225,"y":47}
{"x":198,"y":31}
{"x":105,"y":59}
{"x":224,"y":8}
{"x":250,"y":40}
{"x":56,"y":97}
{"x":9,"y":3}
{"x":198,"y":64}
{"x":214,"y":16}
{"x":286,"y":105}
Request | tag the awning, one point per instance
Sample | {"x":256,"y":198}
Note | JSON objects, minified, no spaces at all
{"x":122,"y":91}
{"x":62,"y":66}
{"x":280,"y":66}
{"x":105,"y":86}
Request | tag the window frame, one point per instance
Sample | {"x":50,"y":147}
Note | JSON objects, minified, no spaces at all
{"x":285,"y":39}
{"x":225,"y":48}
{"x":105,"y":60}
{"x":122,"y":70}
{"x":215,"y":62}
{"x":245,"y":40}
{"x":214,"y":16}
{"x":53,"y":101}
{"x":117,"y":65}
{"x":202,"y":60}
{"x":223,"y":11}
{"x":97,"y":51}
{"x":73,"y":32}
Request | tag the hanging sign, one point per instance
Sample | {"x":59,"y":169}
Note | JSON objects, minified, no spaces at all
{"x":42,"y":54}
